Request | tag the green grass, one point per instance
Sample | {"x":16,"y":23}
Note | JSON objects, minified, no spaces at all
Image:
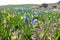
{"x":10,"y":21}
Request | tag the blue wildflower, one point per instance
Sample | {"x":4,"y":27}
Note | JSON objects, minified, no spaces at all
{"x":35,"y":22}
{"x":26,"y":20}
{"x":22,"y":8}
{"x":42,"y":11}
{"x":18,"y":12}
{"x":36,"y":12}
{"x":14,"y":10}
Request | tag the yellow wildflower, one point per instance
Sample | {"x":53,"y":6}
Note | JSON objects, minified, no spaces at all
{"x":13,"y":16}
{"x":4,"y":20}
{"x":34,"y":26}
{"x":8,"y":17}
{"x":21,"y":17}
{"x":42,"y":34}
{"x":39,"y":22}
{"x":49,"y":38}
{"x":14,"y":37}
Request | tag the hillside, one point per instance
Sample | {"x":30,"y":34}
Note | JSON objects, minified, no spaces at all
{"x":24,"y":5}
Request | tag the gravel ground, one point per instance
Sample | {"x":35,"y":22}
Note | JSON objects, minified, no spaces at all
{"x":50,"y":33}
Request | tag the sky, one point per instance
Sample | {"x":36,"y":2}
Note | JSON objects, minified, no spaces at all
{"x":15,"y":2}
